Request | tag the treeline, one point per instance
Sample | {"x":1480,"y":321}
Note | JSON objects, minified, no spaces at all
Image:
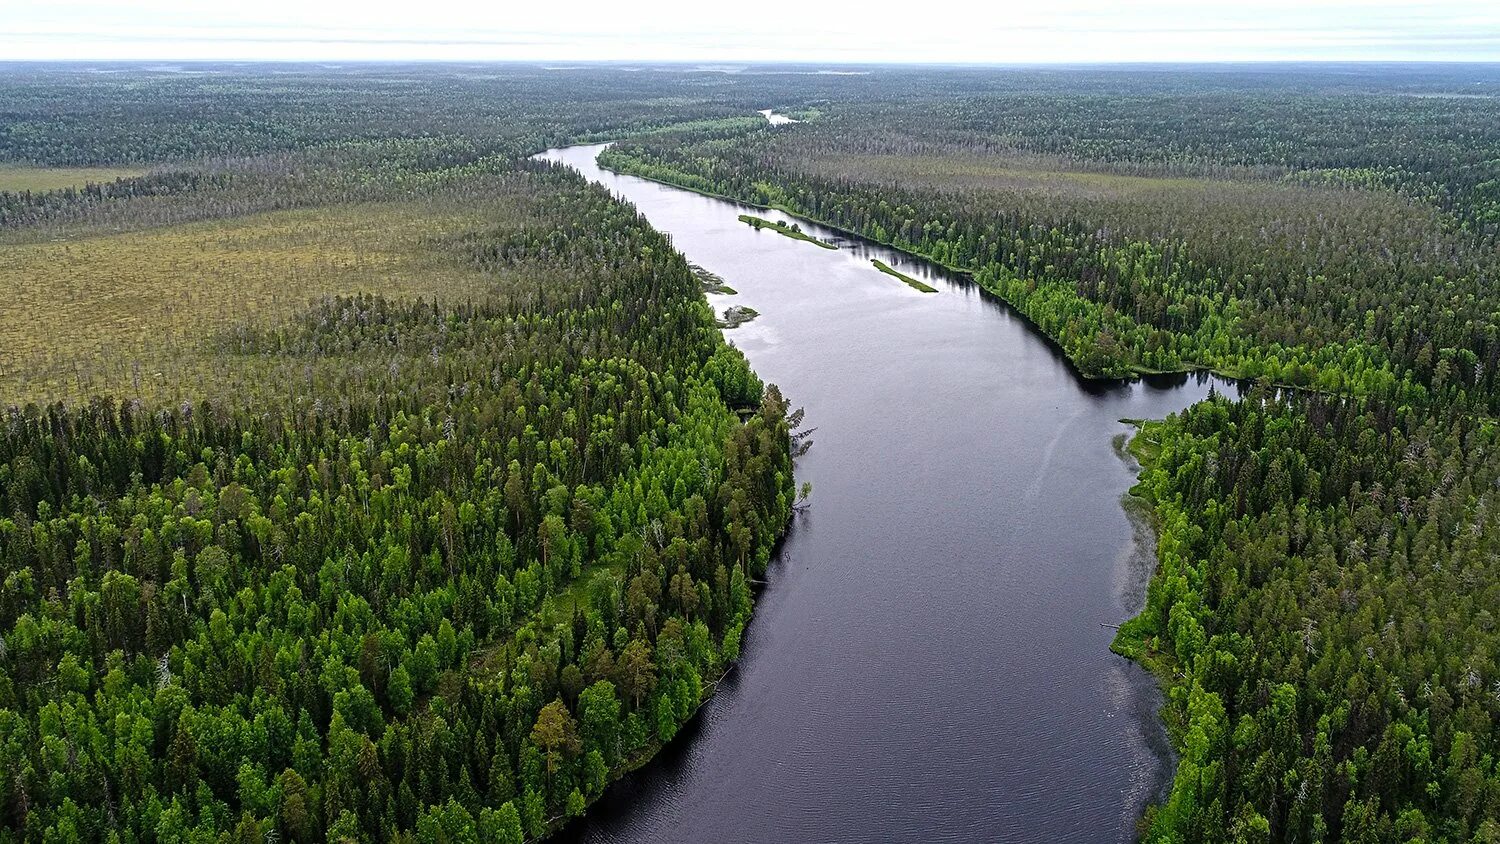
{"x":448,"y":565}
{"x":1321,"y":289}
{"x":1323,"y":616}
{"x":73,"y":114}
{"x":478,"y":559}
{"x":1326,"y":601}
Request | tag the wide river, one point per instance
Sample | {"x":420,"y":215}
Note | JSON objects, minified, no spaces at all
{"x":929,"y":661}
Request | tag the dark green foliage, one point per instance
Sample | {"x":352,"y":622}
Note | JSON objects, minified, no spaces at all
{"x":1328,"y":590}
{"x":1325,"y":611}
{"x":487,"y":555}
{"x":478,"y":563}
{"x":1150,"y":232}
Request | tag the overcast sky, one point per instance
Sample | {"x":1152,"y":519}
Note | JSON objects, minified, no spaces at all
{"x":718,"y":31}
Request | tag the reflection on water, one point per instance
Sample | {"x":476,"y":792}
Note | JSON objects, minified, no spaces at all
{"x":929,"y":661}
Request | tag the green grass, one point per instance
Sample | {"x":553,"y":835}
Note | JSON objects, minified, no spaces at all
{"x":16,"y":178}
{"x":1145,"y":446}
{"x":891,"y":271}
{"x":130,"y":314}
{"x":782,"y":228}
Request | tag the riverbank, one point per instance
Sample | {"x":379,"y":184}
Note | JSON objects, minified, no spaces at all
{"x":1131,"y":640}
{"x":1134,"y":638}
{"x":1132,"y":373}
{"x":1032,"y":555}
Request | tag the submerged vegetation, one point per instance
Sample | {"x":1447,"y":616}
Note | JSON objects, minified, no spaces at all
{"x":792,"y":231}
{"x":712,"y":282}
{"x":737,"y":315}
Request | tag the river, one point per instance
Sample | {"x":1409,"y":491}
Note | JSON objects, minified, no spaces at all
{"x":929,"y":660}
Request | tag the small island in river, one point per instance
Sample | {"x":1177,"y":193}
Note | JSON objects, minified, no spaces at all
{"x":793,"y":231}
{"x":915,"y":283}
{"x":737,"y":315}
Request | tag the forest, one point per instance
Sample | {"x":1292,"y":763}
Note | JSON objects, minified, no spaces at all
{"x":362,"y":479}
{"x":1148,"y":266}
{"x":354,"y":487}
{"x":1323,"y":610}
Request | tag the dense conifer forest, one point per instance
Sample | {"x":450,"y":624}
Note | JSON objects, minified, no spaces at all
{"x":419,"y":514}
{"x":393,"y":486}
{"x":1324,"y":610}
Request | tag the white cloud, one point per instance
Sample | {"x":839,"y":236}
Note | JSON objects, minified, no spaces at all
{"x":678,"y":30}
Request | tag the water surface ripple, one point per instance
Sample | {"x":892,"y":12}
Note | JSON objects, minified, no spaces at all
{"x":929,"y":661}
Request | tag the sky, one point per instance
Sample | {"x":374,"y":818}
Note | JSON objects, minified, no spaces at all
{"x":715,"y":31}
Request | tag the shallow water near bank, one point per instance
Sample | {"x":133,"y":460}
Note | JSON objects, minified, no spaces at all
{"x":929,"y":660}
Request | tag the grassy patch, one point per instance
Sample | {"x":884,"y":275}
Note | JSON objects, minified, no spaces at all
{"x":129,"y":314}
{"x":792,"y":232}
{"x":891,"y":271}
{"x":37,"y":179}
{"x":1145,"y":446}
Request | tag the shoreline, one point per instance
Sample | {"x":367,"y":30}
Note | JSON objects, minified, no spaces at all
{"x":1159,"y":743}
{"x":1138,"y":450}
{"x":1136,"y":372}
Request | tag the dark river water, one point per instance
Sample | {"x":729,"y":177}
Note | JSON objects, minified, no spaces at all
{"x":929,"y":661}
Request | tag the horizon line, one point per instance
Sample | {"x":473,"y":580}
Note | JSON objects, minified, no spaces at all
{"x":572,"y":63}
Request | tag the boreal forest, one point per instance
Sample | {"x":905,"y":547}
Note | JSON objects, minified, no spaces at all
{"x":364,"y":478}
{"x":358,"y":483}
{"x":1324,"y":610}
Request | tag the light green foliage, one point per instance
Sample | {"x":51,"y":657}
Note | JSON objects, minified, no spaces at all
{"x":792,"y":231}
{"x":914,"y":283}
{"x":443,"y":443}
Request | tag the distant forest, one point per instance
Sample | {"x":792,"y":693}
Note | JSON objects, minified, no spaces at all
{"x":362,"y":479}
{"x":387,"y":485}
{"x":1324,"y":614}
